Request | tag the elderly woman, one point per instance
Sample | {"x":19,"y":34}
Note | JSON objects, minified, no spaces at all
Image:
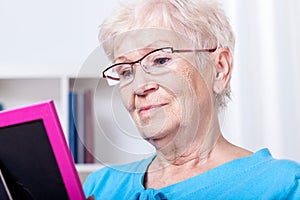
{"x":172,"y":61}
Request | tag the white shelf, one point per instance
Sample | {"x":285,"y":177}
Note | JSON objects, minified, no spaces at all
{"x":85,"y":169}
{"x":88,"y":168}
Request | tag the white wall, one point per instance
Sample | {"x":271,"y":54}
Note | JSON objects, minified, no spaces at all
{"x":265,"y":108}
{"x":53,"y":32}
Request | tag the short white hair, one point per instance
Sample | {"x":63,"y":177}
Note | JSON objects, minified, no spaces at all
{"x":202,"y":21}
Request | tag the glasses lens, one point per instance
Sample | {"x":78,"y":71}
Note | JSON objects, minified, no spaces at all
{"x":158,"y":60}
{"x":119,"y":73}
{"x":124,"y":72}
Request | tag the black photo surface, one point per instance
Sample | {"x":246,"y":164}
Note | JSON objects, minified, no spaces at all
{"x":28,"y":164}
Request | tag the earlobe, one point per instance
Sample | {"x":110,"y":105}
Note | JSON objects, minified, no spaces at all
{"x":222,"y":70}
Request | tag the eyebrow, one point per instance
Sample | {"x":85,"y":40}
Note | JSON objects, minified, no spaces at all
{"x":120,"y":58}
{"x":167,"y":43}
{"x":126,"y":59}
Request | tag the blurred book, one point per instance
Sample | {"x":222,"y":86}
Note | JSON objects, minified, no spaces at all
{"x":81,"y":126}
{"x":89,"y":128}
{"x":72,"y":125}
{"x":1,"y":107}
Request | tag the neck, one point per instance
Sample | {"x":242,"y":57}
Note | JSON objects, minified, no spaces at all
{"x":199,"y":152}
{"x":184,"y":149}
{"x":163,"y":172}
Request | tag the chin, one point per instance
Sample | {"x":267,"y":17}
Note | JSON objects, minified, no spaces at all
{"x":151,"y":134}
{"x":159,"y":137}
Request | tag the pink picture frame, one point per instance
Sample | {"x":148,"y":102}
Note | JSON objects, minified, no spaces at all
{"x":46,"y":112}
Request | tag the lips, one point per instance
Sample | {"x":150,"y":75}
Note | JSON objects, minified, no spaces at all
{"x":149,"y":108}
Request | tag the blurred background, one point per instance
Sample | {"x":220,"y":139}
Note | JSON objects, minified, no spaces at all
{"x":57,"y":39}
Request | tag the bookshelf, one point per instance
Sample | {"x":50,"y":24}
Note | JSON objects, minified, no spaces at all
{"x":19,"y":87}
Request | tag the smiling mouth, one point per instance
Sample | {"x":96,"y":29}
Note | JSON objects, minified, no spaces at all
{"x":147,"y":109}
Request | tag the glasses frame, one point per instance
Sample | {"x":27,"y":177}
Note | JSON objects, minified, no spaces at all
{"x":140,"y":60}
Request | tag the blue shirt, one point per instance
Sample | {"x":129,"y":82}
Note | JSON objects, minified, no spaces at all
{"x":258,"y":176}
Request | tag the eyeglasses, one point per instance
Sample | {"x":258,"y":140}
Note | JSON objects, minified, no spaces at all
{"x":154,"y":62}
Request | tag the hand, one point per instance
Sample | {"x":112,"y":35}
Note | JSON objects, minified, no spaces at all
{"x":91,"y":197}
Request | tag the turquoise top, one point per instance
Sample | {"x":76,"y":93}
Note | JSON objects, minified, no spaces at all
{"x":258,"y":176}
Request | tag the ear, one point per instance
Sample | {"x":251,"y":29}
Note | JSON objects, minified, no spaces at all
{"x":222,"y":70}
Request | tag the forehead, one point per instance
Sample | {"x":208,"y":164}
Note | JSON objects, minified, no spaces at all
{"x":147,"y":38}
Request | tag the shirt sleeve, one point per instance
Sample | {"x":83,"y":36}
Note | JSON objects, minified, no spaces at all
{"x":88,"y":186}
{"x":93,"y":182}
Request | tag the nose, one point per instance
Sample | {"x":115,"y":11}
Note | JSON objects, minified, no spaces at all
{"x":142,"y":83}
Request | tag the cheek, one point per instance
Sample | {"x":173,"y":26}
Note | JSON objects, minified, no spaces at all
{"x":178,"y":85}
{"x":204,"y":102}
{"x":195,"y":81}
{"x":193,"y":91}
{"x":127,"y":98}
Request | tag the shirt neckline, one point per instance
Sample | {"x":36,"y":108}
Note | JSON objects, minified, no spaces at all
{"x":240,"y":164}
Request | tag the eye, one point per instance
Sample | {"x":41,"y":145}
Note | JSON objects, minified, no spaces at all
{"x":161,"y":61}
{"x":125,"y":72}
